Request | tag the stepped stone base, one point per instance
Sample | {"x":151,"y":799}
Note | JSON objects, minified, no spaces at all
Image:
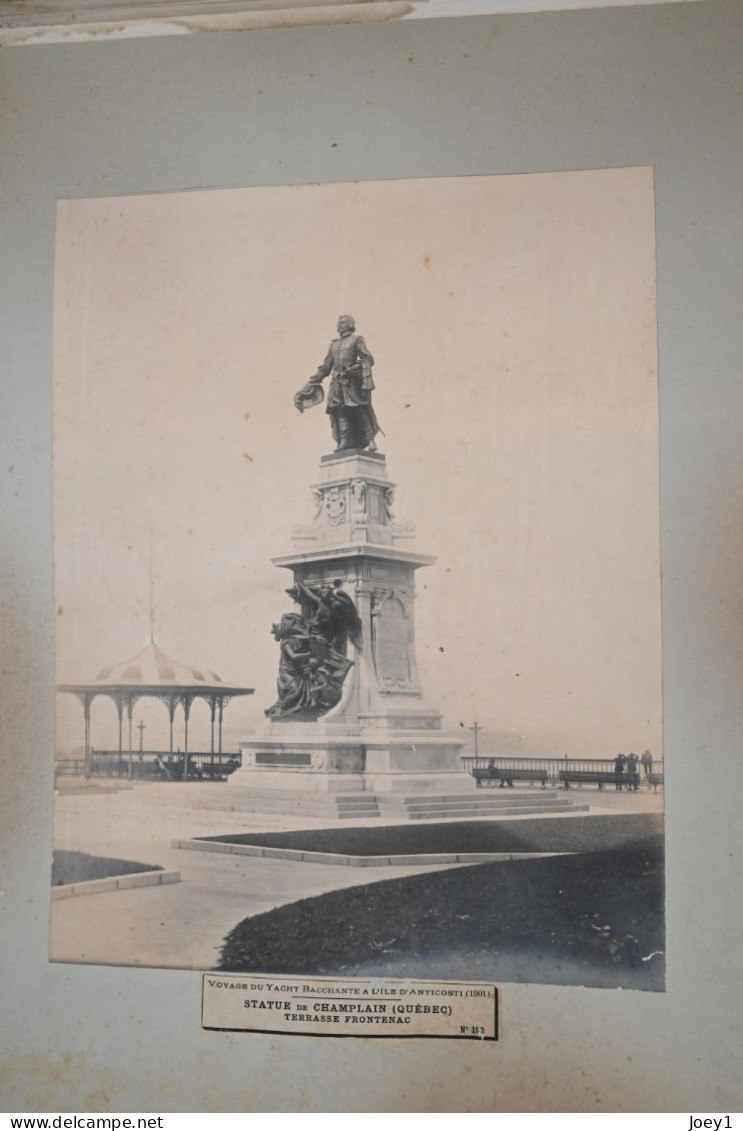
{"x":365,"y":805}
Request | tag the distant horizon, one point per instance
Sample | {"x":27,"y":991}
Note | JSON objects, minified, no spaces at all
{"x":492,"y":743}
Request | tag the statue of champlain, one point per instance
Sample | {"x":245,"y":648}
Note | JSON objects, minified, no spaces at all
{"x":313,"y":643}
{"x":349,"y":363}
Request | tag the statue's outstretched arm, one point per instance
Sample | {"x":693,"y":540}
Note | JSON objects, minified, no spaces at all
{"x":312,"y":393}
{"x":308,"y":595}
{"x":323,"y":370}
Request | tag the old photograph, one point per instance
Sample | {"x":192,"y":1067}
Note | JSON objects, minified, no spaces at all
{"x":357,"y":581}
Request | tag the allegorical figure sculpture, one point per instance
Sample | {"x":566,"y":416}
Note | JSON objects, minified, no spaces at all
{"x":313,"y":643}
{"x":349,"y":403}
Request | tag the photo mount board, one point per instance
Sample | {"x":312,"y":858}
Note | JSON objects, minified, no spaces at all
{"x":575,"y":101}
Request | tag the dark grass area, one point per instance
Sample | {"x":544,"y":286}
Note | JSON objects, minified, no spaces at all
{"x":75,"y":867}
{"x":578,"y":834}
{"x":590,"y":919}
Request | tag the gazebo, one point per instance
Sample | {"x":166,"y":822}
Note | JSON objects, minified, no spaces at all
{"x":152,"y":674}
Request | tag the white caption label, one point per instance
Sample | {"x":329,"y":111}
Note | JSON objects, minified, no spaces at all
{"x":358,"y":1007}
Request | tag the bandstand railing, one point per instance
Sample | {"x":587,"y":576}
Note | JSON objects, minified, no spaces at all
{"x":159,"y":765}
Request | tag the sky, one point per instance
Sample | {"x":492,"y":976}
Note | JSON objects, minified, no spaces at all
{"x":512,"y":320}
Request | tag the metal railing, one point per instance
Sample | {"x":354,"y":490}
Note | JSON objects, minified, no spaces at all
{"x":553,"y":766}
{"x":170,"y":765}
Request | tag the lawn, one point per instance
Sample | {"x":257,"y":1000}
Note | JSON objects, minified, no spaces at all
{"x":76,"y":867}
{"x":590,"y":919}
{"x":578,"y":834}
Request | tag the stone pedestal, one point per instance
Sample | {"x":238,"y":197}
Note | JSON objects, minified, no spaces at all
{"x":380,"y":736}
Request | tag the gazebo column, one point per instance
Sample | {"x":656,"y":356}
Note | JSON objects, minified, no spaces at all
{"x":87,"y":700}
{"x":129,"y":707}
{"x":120,"y":709}
{"x":187,"y":701}
{"x":213,"y":705}
{"x":221,"y":715}
{"x":172,"y":704}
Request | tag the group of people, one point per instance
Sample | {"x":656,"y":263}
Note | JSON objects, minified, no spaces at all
{"x":629,"y":765}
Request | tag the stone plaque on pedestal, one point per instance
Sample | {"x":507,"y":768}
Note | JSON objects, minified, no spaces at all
{"x":390,"y":644}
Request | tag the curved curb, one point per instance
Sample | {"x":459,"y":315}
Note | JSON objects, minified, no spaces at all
{"x":271,"y":853}
{"x":117,"y":883}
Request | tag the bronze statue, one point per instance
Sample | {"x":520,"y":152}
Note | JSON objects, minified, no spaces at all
{"x":352,"y":418}
{"x":312,"y":662}
{"x":294,"y":684}
{"x":329,"y":613}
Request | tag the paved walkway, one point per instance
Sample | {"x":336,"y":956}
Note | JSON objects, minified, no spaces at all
{"x":183,"y":925}
{"x":177,"y":925}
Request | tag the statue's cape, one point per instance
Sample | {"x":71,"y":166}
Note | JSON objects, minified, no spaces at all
{"x":308,"y":396}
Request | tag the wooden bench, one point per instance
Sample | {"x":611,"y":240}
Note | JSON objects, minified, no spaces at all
{"x":656,"y":779}
{"x":492,"y":774}
{"x":212,"y":771}
{"x":600,"y":777}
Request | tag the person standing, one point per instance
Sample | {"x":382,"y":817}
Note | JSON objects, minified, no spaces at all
{"x":633,"y":771}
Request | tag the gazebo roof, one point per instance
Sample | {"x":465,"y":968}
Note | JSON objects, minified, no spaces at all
{"x":153,"y":672}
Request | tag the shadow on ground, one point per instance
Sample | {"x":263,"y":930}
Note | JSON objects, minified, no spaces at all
{"x":579,"y":834}
{"x":588,"y":919}
{"x":76,"y":867}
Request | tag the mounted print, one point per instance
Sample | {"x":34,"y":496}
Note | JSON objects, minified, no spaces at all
{"x":357,"y":575}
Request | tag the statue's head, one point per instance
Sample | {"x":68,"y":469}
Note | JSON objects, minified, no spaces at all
{"x":346,"y":325}
{"x":291,"y":624}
